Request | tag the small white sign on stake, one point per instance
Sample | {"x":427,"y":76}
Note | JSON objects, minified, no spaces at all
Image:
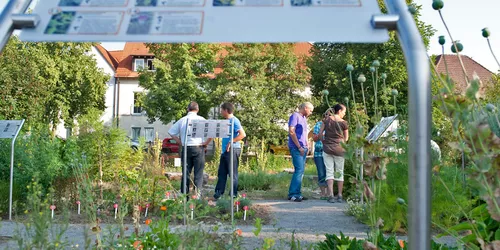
{"x":177,"y":162}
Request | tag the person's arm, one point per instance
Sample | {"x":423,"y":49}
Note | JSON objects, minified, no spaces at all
{"x":346,"y":132}
{"x":316,"y":133}
{"x":293,"y":135}
{"x":241,"y":135}
{"x":321,"y":132}
{"x":174,"y":132}
{"x":205,"y":143}
{"x":346,"y":135}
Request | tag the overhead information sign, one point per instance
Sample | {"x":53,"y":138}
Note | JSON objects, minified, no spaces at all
{"x":8,"y":129}
{"x":206,"y":21}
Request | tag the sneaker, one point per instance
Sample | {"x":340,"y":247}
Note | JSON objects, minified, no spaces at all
{"x":339,"y":199}
{"x":303,"y":198}
{"x":324,"y":198}
{"x":296,"y":199}
{"x":332,"y":199}
{"x":217,"y":196}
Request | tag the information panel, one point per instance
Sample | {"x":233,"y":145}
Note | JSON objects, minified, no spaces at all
{"x":386,"y":124}
{"x":8,"y":129}
{"x":206,"y":21}
{"x":210,"y":129}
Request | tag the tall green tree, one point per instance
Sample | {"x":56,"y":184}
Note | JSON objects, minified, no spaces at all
{"x":265,"y":82}
{"x":184,"y":73}
{"x":328,"y":69}
{"x":81,"y":85}
{"x":27,"y":76}
{"x":47,"y":83}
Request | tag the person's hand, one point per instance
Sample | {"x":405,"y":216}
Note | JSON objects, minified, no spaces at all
{"x":302,"y":151}
{"x":228,"y":147}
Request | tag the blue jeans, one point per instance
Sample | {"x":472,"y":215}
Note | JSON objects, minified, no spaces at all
{"x":299,"y":163}
{"x":320,"y":166}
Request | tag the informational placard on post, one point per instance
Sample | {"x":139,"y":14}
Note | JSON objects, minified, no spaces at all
{"x":385,"y":124}
{"x":206,"y":21}
{"x":8,"y":129}
{"x":210,"y":129}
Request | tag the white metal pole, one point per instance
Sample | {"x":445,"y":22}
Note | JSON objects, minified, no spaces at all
{"x":184,"y":167}
{"x":12,"y":167}
{"x":419,"y":110}
{"x":6,"y":22}
{"x":231,"y":151}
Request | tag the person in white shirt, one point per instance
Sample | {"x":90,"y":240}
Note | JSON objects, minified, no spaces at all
{"x":195,"y":148}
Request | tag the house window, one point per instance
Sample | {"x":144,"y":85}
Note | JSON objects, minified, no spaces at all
{"x":151,"y":66}
{"x":150,"y":134}
{"x":136,"y":133}
{"x":138,"y":64}
{"x":138,"y":96}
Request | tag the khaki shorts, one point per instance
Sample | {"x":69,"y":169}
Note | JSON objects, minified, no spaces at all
{"x":334,"y":167}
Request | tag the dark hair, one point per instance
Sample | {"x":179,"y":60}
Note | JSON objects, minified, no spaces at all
{"x":193,"y":106}
{"x":337,"y":108}
{"x":229,"y":107}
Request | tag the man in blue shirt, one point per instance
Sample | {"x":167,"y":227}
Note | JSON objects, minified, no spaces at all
{"x":227,"y":110}
{"x":297,"y":143}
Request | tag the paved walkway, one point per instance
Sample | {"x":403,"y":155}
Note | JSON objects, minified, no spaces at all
{"x":310,"y":220}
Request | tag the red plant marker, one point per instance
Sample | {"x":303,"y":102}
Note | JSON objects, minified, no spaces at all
{"x":78,"y":203}
{"x":52,"y":207}
{"x":116,"y":209}
{"x":237,"y":203}
{"x":245,"y":208}
{"x":146,"y":213}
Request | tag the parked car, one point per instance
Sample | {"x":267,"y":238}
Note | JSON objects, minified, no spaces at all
{"x":169,"y":145}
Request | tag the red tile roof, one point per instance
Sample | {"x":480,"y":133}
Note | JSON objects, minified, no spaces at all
{"x":456,"y":73}
{"x":107,"y":56}
{"x":123,"y":59}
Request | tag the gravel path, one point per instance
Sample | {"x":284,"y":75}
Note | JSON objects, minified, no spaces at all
{"x":310,"y":220}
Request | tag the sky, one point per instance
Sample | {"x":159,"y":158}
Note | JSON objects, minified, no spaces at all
{"x":465,"y":19}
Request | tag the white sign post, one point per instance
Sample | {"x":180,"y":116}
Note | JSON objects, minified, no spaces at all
{"x":10,"y":130}
{"x":206,"y":129}
{"x":341,"y":21}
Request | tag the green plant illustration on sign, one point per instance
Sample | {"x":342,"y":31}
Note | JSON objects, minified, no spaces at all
{"x":60,"y":23}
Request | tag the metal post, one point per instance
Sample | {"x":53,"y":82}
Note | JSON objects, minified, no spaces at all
{"x":6,"y":22}
{"x":12,"y":167}
{"x":361,"y":179}
{"x":419,"y":102}
{"x":231,"y":172}
{"x":184,"y":169}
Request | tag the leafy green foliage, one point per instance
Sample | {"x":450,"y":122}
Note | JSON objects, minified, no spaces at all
{"x":183,"y":74}
{"x":328,"y":70}
{"x":334,"y":242}
{"x":49,"y":82}
{"x":263,"y":81}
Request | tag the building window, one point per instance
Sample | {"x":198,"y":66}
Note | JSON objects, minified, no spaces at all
{"x":138,"y":64}
{"x":149,"y":134}
{"x":138,"y":96}
{"x":136,"y":133}
{"x":151,"y":66}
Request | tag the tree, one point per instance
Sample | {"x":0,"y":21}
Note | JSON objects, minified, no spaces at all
{"x":184,"y":73}
{"x":49,"y":82}
{"x":264,"y":82}
{"x":328,"y":69}
{"x":81,"y":85}
{"x":27,"y":76}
